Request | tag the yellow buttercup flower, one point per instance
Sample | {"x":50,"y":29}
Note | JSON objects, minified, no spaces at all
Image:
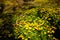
{"x":29,"y":37}
{"x":48,"y":31}
{"x":20,"y":36}
{"x":49,"y":35}
{"x":36,"y":24}
{"x":26,"y":28}
{"x":49,"y":18}
{"x":33,"y":29}
{"x":26,"y":39}
{"x":39,"y":29}
{"x":53,"y":31}
{"x":26,"y":25}
{"x":45,"y":33}
{"x":30,"y":28}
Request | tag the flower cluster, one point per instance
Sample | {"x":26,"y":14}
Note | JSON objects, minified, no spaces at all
{"x":29,"y":22}
{"x":33,"y":28}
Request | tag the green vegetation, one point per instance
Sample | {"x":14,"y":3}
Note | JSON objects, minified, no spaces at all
{"x":29,"y":20}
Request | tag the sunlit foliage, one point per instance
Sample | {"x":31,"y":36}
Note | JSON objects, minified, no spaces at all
{"x":30,"y":19}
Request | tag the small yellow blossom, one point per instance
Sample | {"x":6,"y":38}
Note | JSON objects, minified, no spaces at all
{"x":35,"y":24}
{"x":49,"y":35}
{"x":27,"y":28}
{"x":26,"y":25}
{"x":45,"y":33}
{"x":30,"y":28}
{"x":49,"y":18}
{"x":20,"y":36}
{"x":41,"y":28}
{"x":33,"y":29}
{"x":48,"y":31}
{"x":26,"y":39}
{"x":29,"y":37}
{"x":53,"y":31}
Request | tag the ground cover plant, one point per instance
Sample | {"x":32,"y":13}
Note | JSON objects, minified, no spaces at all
{"x":29,"y":20}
